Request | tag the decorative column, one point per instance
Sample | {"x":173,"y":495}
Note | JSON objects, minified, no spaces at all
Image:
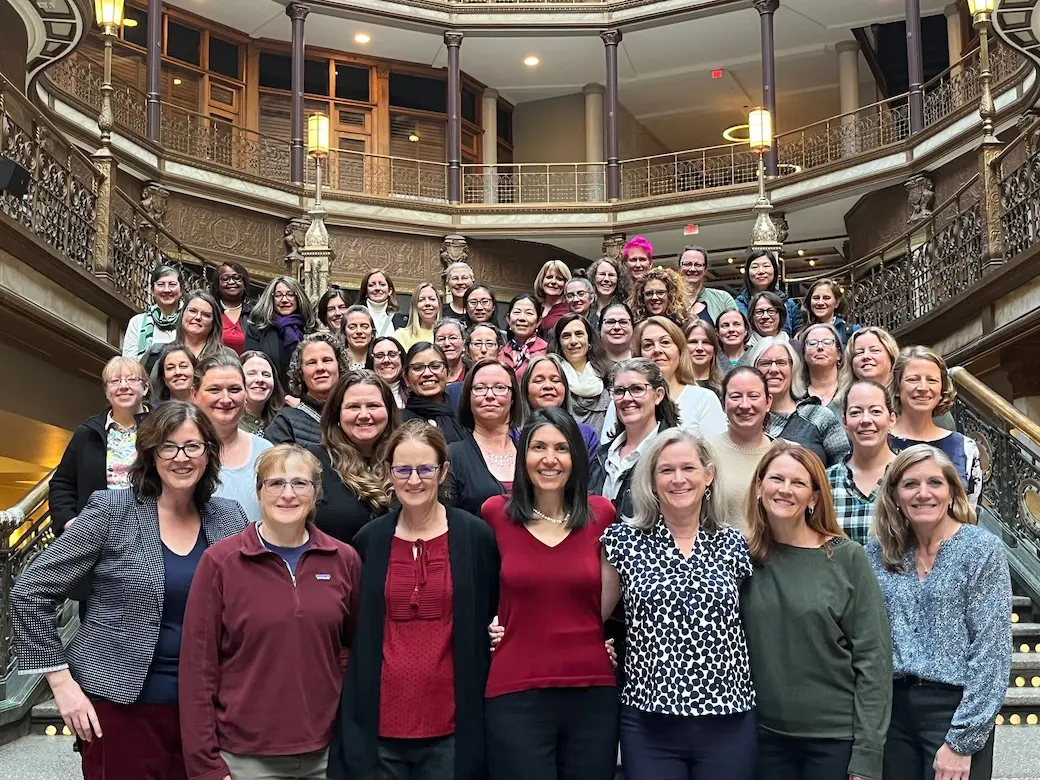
{"x":915,"y":64}
{"x":154,"y":97}
{"x":594,"y":139}
{"x":297,"y":13}
{"x":954,"y":34}
{"x":454,"y":249}
{"x":489,"y":152}
{"x":766,"y":9}
{"x":848,"y":92}
{"x":613,"y":243}
{"x":611,"y":40}
{"x":453,"y":40}
{"x":989,"y":176}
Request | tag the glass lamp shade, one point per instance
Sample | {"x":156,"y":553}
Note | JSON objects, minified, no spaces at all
{"x":760,"y":130}
{"x":318,"y":134}
{"x":978,"y":7}
{"x":108,"y":13}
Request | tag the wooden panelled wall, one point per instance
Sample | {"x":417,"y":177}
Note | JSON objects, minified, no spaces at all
{"x":200,"y":78}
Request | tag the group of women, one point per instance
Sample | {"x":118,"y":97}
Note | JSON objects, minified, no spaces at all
{"x":453,"y":552}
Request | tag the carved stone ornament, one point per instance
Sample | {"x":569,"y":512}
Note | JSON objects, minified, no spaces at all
{"x":611,"y":37}
{"x":295,"y":238}
{"x":613,"y":243}
{"x":780,"y":222}
{"x":155,"y":200}
{"x":454,"y":249}
{"x":766,"y":6}
{"x":920,"y":191}
{"x":297,"y":11}
{"x":452,"y":39}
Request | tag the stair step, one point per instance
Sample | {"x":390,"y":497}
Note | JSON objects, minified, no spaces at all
{"x":1020,"y":602}
{"x":1025,"y":632}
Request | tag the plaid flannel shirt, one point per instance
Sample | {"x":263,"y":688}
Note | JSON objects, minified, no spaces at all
{"x":855,"y":511}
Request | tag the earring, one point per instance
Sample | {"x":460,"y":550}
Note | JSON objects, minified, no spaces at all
{"x":707,"y":494}
{"x":811,"y":510}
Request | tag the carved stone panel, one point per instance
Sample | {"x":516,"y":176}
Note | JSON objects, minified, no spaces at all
{"x":220,"y":229}
{"x":920,"y":191}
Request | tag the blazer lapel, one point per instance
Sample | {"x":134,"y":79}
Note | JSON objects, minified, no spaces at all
{"x":212,"y":526}
{"x":148,"y":519}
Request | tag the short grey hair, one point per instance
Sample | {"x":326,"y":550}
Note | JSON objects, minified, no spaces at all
{"x":764,"y":344}
{"x":646,"y":508}
{"x":585,"y":282}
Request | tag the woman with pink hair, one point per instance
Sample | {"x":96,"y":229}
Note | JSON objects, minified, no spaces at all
{"x":637,"y":255}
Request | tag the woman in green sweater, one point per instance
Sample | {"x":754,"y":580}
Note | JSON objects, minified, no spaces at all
{"x":818,"y":638}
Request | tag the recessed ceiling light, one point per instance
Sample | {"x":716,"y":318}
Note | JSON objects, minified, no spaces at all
{"x":177,"y":82}
{"x":129,"y":23}
{"x":801,"y":253}
{"x":729,"y":259}
{"x":530,"y":61}
{"x":362,"y":38}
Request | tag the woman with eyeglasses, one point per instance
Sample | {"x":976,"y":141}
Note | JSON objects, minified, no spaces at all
{"x":824,"y":304}
{"x":283,"y":315}
{"x":580,"y":295}
{"x":817,"y":634}
{"x":735,"y":335}
{"x":921,"y":389}
{"x":660,"y":292}
{"x":616,"y":325}
{"x":424,"y":313}
{"x":358,"y":420}
{"x":762,"y":274}
{"x":643,"y":409}
{"x":386,"y":358}
{"x":413,"y":698}
{"x":230,"y":287}
{"x":705,"y":302}
{"x":316,"y":366}
{"x":332,"y":309}
{"x":358,"y":331}
{"x":610,"y":282}
{"x":822,"y":359}
{"x":426,"y":371}
{"x":264,"y":396}
{"x":458,"y":278}
{"x":103,"y":447}
{"x":174,"y":370}
{"x":280,"y":595}
{"x":661,"y":340}
{"x":586,"y":366}
{"x":545,"y":386}
{"x":157,"y":325}
{"x":549,"y":287}
{"x":767,"y":314}
{"x":481,"y":306}
{"x":198,"y":329}
{"x":702,"y":342}
{"x":450,"y":336}
{"x":378,"y":295}
{"x":115,"y":684}
{"x":219,"y":390}
{"x":523,"y":341}
{"x":551,"y":708}
{"x":794,"y":416}
{"x":483,"y":341}
{"x":483,"y":463}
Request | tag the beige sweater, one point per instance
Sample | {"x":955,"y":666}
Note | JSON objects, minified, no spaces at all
{"x":734,"y":472}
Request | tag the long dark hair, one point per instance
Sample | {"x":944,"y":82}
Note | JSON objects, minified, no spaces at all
{"x":277,"y":399}
{"x":326,"y":298}
{"x":153,"y":432}
{"x":596,"y":354}
{"x":752,"y":256}
{"x":520,"y":506}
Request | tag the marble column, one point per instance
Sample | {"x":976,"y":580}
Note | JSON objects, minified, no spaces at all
{"x":297,"y":150}
{"x":848,"y":93}
{"x":154,"y":63}
{"x":766,"y":9}
{"x":594,"y":139}
{"x":489,"y":152}
{"x":954,"y":34}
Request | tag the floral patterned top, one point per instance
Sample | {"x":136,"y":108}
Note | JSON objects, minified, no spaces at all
{"x":120,"y":453}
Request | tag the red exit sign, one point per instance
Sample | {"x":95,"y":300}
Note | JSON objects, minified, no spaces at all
{"x":717,"y":73}
{"x":691,"y":230}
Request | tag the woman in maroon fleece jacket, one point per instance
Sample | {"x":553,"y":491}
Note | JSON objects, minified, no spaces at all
{"x":269,"y":613}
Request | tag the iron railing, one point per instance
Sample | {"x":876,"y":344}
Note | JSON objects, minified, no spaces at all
{"x":519,"y":183}
{"x":60,"y":206}
{"x":1017,"y":167}
{"x":689,"y":171}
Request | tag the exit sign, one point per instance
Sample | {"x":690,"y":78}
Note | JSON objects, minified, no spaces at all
{"x":691,"y":230}
{"x":717,"y":73}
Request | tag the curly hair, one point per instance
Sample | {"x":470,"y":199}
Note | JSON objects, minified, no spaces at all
{"x":678,"y":310}
{"x":296,"y":385}
{"x":621,"y":291}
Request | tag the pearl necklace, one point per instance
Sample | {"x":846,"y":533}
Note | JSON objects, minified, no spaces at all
{"x":553,"y":520}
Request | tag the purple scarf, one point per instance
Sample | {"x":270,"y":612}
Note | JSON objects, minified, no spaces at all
{"x":290,"y":329}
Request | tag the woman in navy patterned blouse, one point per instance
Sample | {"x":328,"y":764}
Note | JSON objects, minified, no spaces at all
{"x":687,"y":703}
{"x":947,"y":592}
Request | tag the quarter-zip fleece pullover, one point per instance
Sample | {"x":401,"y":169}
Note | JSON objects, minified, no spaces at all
{"x":260,"y":670}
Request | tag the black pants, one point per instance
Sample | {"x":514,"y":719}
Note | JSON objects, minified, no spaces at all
{"x":791,"y":758}
{"x":417,"y":759}
{"x":673,"y":747}
{"x":553,"y":734}
{"x":921,"y":716}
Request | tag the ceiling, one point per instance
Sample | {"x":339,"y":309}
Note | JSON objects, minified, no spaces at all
{"x":664,"y":71}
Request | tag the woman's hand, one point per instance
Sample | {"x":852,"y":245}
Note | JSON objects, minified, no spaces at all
{"x":609,"y":644}
{"x":74,"y":706}
{"x":495,"y":633}
{"x":951,"y":765}
{"x":292,"y":400}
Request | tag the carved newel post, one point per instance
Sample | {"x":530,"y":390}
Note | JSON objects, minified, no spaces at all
{"x":454,"y":249}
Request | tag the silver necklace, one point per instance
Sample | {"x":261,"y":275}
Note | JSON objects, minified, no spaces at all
{"x":553,"y":520}
{"x":500,"y":460}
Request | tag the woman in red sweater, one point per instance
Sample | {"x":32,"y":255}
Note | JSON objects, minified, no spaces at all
{"x":552,"y":707}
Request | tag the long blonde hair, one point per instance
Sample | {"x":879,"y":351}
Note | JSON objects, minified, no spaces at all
{"x":846,"y":377}
{"x":891,"y":527}
{"x":414,"y":320}
{"x":684,"y":374}
{"x":821,"y":519}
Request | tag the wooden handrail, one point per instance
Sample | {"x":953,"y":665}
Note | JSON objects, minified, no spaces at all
{"x":995,"y":403}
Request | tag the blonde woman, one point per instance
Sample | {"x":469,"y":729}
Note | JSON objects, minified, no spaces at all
{"x":821,"y":653}
{"x":947,"y":592}
{"x":549,"y":288}
{"x":458,"y":278}
{"x":422,"y":316}
{"x":921,"y":389}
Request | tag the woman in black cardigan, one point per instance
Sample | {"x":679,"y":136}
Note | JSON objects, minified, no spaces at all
{"x":360,"y":749}
{"x":426,"y":372}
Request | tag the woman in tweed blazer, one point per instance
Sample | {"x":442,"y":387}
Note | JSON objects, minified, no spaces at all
{"x":116,"y":684}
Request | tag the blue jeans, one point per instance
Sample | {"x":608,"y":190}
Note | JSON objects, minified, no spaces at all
{"x":677,"y":747}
